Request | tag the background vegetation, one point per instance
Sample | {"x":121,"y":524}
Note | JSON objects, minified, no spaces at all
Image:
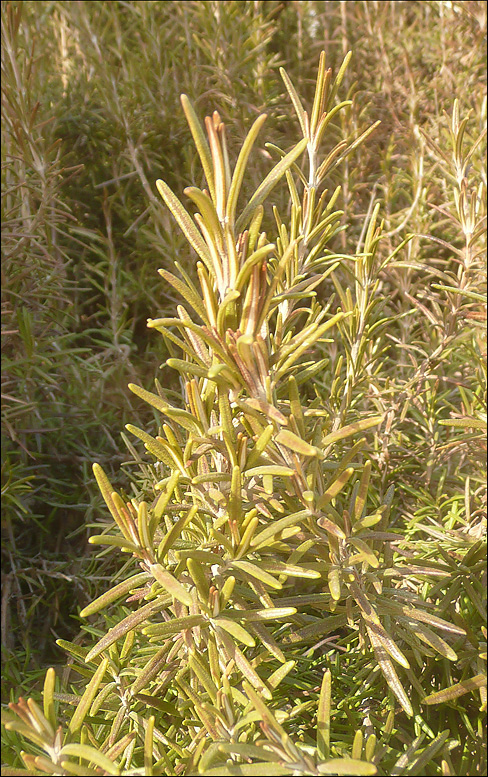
{"x":91,"y":118}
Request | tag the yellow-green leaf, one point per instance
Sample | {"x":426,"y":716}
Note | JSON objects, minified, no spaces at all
{"x":335,"y":487}
{"x":174,"y":625}
{"x":48,"y":697}
{"x":432,"y":620}
{"x":348,"y":431}
{"x":125,"y":625}
{"x":365,"y":551}
{"x":349,"y":766}
{"x":107,"y":492}
{"x":291,"y":570}
{"x":242,"y":663}
{"x":150,"y":670}
{"x":85,"y":702}
{"x":253,"y":616}
{"x":279,"y":674}
{"x":363,"y":491}
{"x":258,"y":573}
{"x":436,"y":642}
{"x":119,"y":590}
{"x":240,"y":167}
{"x":236,"y":631}
{"x":323,"y":718}
{"x":171,"y":584}
{"x":456,"y":690}
{"x":269,"y":183}
{"x":277,"y":526}
{"x":200,"y":142}
{"x":389,"y":672}
{"x":334,"y":580}
{"x":116,"y":542}
{"x":148,"y":746}
{"x":187,"y":293}
{"x":174,"y":533}
{"x":276,"y":470}
{"x":295,"y":443}
{"x":185,"y":223}
{"x":88,"y":753}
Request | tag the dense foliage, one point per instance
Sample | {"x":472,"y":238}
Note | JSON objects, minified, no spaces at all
{"x":311,"y":599}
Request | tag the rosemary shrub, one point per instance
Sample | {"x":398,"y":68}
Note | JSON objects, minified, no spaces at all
{"x":261,"y":537}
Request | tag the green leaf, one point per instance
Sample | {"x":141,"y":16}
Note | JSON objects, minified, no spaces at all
{"x":271,"y":469}
{"x":236,"y":631}
{"x":290,"y":570}
{"x":119,"y":590}
{"x":269,"y":411}
{"x":174,"y":533}
{"x":208,"y":213}
{"x":85,"y":702}
{"x":304,"y":341}
{"x":174,"y":626}
{"x":362,"y":492}
{"x":251,"y":261}
{"x":201,"y":670}
{"x":334,"y":581}
{"x":107,"y":492}
{"x":26,"y":731}
{"x":323,"y":717}
{"x":148,"y":746}
{"x":75,"y":650}
{"x":89,"y":753}
{"x":432,"y":639}
{"x":348,"y":431}
{"x":388,"y":643}
{"x":279,"y":674}
{"x":331,"y":527}
{"x":389,"y":672}
{"x":149,"y":671}
{"x":268,"y":184}
{"x":463,"y":292}
{"x":359,"y":140}
{"x":365,"y":552}
{"x":240,"y":167}
{"x":253,"y":616}
{"x":185,"y":223}
{"x":185,"y":419}
{"x":432,"y":620}
{"x":171,"y":584}
{"x":242,"y":663}
{"x":200,"y":142}
{"x":197,"y":573}
{"x":125,"y":625}
{"x":257,"y":572}
{"x":153,"y":446}
{"x":116,"y":542}
{"x":428,"y":754}
{"x":248,"y":751}
{"x":456,"y":690}
{"x":464,"y":423}
{"x":48,"y":698}
{"x":335,"y":487}
{"x":295,"y":443}
{"x":277,"y":526}
{"x":297,"y":103}
{"x":163,"y":499}
{"x":187,"y":293}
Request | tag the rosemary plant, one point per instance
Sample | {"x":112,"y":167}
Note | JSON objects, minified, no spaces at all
{"x":260,"y":539}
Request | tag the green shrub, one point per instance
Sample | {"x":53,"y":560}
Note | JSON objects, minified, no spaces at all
{"x":293,"y":619}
